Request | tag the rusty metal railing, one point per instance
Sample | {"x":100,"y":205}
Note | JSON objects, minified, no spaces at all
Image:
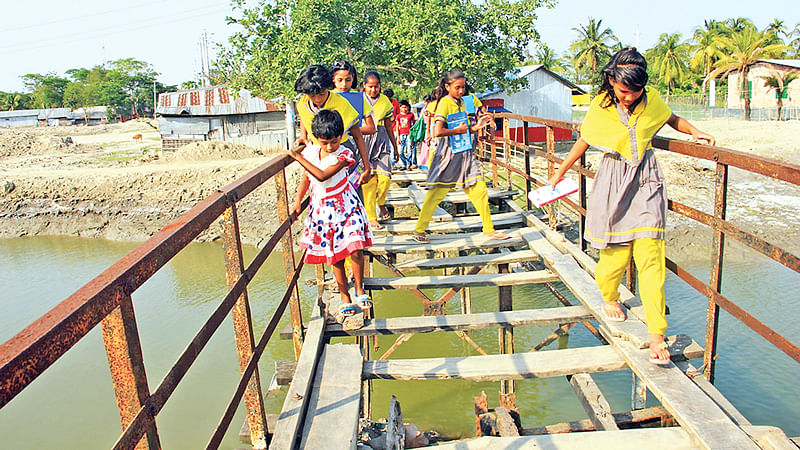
{"x":106,"y":300}
{"x":724,"y":158}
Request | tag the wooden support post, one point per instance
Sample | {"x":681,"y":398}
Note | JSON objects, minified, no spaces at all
{"x":717,"y":252}
{"x":551,"y":170}
{"x":243,"y":326}
{"x":638,"y":393}
{"x":289,"y":263}
{"x":582,"y":195}
{"x":527,"y":156}
{"x":124,"y":352}
{"x":507,"y":149}
{"x":493,"y":148}
{"x":506,"y":334}
{"x":593,"y":401}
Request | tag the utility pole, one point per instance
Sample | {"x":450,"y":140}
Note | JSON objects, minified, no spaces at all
{"x":154,"y":99}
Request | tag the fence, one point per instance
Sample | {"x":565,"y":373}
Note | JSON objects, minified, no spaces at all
{"x":106,"y":300}
{"x":490,"y":147}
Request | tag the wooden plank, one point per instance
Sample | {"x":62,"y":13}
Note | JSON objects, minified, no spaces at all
{"x":418,"y":196}
{"x":382,"y":245}
{"x":458,"y":224}
{"x":284,"y":436}
{"x":332,"y":417}
{"x":670,"y":438}
{"x":458,"y":281}
{"x":516,"y":366}
{"x":398,"y":197}
{"x":410,"y":176}
{"x":284,"y":372}
{"x":464,"y":322}
{"x":286,"y":332}
{"x":459,"y":196}
{"x":593,"y":401}
{"x":623,"y":419}
{"x":471,"y":261}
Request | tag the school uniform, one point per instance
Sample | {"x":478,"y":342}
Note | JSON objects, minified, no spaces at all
{"x":379,"y":147}
{"x":627,"y":208}
{"x":448,"y":170}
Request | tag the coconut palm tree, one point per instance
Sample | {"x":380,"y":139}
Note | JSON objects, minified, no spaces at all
{"x":780,"y":82}
{"x":739,"y":24}
{"x":705,"y":51}
{"x":777,"y":27}
{"x":795,"y":43}
{"x":592,"y":45}
{"x":669,"y":57}
{"x":741,"y":50}
{"x":548,"y":58}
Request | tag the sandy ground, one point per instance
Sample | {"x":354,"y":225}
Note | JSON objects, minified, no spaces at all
{"x":99,"y":182}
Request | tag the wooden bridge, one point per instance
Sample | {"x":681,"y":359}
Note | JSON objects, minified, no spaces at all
{"x":329,"y":384}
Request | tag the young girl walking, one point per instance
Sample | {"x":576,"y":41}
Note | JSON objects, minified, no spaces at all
{"x":628,"y":204}
{"x":335,"y":226}
{"x":381,"y":146}
{"x":449,"y":170}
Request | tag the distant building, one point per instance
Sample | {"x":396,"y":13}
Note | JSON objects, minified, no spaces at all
{"x":93,"y":115}
{"x":51,"y":117}
{"x":213,"y":114}
{"x":760,"y":95}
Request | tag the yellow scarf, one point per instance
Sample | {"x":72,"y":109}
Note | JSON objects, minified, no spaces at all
{"x":334,"y":102}
{"x":382,"y":109}
{"x":605,"y":128}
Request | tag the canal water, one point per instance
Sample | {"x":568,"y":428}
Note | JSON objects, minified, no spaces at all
{"x":72,"y":405}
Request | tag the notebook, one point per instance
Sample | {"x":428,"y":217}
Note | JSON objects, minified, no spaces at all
{"x":459,"y":142}
{"x":356,"y":99}
{"x":546,"y":194}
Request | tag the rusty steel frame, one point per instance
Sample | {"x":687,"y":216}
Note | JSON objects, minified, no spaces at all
{"x":289,"y":265}
{"x":721,"y":228}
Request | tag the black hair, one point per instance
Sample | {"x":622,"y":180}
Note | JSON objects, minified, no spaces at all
{"x":627,"y":67}
{"x":405,"y":103}
{"x":448,"y":77}
{"x":428,"y":98}
{"x":315,"y":79}
{"x":373,"y":74}
{"x":389,"y":93}
{"x":344,"y":65}
{"x":327,"y":124}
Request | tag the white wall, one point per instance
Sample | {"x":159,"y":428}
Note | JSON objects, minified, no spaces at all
{"x":545,"y":97}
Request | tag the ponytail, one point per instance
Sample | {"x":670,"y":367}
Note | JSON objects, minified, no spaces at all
{"x":441,"y":90}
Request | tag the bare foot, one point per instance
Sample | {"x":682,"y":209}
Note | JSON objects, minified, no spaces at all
{"x":613,"y":312}
{"x":659,"y":351}
{"x":375,"y":225}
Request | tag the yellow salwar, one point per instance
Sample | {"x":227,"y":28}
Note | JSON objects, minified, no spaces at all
{"x":375,"y":191}
{"x":478,"y":195}
{"x":649,"y":255}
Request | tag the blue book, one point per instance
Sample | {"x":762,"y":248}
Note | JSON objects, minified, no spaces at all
{"x":469,"y":103}
{"x":459,"y":142}
{"x":357,"y":100}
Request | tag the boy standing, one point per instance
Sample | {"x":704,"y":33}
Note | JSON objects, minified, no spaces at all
{"x":405,"y":120}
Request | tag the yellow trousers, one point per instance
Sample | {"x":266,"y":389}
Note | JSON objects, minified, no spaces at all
{"x":375,"y":191}
{"x":650,"y":257}
{"x":478,"y":195}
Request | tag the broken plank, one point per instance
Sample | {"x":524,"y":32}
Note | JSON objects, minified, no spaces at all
{"x":464,"y":322}
{"x":516,"y":366}
{"x":470,"y":261}
{"x":284,"y":372}
{"x":593,"y":401}
{"x":459,"y":281}
{"x":623,"y":420}
{"x":458,"y":224}
{"x":418,"y":196}
{"x":332,"y":417}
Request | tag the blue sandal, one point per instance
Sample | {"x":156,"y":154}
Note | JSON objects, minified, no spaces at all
{"x":365,"y":302}
{"x":347,"y":309}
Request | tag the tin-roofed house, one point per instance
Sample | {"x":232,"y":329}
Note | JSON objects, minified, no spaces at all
{"x":213,"y":114}
{"x":52,"y":117}
{"x":92,"y":115}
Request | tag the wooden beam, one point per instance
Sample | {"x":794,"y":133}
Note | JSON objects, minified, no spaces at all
{"x":458,"y":281}
{"x":333,"y":410}
{"x":456,"y":322}
{"x":284,"y":436}
{"x":410,"y":176}
{"x":623,"y":420}
{"x":472,"y":260}
{"x":459,"y":196}
{"x":418,"y":196}
{"x":382,"y":245}
{"x":458,"y":224}
{"x":593,"y":401}
{"x":517,"y":366}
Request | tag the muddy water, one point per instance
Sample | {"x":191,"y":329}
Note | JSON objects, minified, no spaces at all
{"x":72,"y":405}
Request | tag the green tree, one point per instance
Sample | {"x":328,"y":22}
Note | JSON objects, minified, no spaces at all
{"x":741,"y":50}
{"x":794,"y":44}
{"x":705,"y":50}
{"x":186,"y":85}
{"x":47,"y":90}
{"x":777,"y":27}
{"x":410,"y":43}
{"x":134,"y":79}
{"x":780,"y":83}
{"x":11,"y":101}
{"x":592,"y":47}
{"x":548,"y":58}
{"x":669,"y":58}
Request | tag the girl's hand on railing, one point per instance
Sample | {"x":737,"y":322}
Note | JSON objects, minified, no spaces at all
{"x":701,"y":136}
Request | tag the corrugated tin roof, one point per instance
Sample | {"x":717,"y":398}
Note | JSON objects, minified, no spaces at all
{"x":19,"y":113}
{"x":94,"y":112}
{"x":212,"y":101}
{"x":783,"y":62}
{"x":524,"y":71}
{"x":41,"y":114}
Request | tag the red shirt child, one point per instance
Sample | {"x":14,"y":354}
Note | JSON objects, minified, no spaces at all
{"x":404,"y":120}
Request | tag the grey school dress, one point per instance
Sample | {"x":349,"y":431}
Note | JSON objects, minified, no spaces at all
{"x":379,"y":147}
{"x":448,"y":170}
{"x":628,"y":200}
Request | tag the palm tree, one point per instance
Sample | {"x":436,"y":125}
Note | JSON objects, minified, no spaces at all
{"x":741,"y":51}
{"x":777,"y":27}
{"x":795,"y":43}
{"x":739,"y":24}
{"x":670,"y":56}
{"x":705,"y":51}
{"x":548,"y":58}
{"x":592,"y":45}
{"x":780,"y":82}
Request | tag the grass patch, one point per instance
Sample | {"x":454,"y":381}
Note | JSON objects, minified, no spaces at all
{"x":122,"y":156}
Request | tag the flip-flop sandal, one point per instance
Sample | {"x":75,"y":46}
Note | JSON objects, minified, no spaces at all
{"x":376,"y":226}
{"x":347,"y":309}
{"x":364,"y":302}
{"x":498,"y":235}
{"x":612,"y":318}
{"x":421,"y":238}
{"x":654,"y":359}
{"x":385,"y":216}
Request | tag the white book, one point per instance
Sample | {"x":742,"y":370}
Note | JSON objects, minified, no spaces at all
{"x":546,"y":194}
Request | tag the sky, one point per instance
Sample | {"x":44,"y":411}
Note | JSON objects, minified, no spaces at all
{"x":54,"y":36}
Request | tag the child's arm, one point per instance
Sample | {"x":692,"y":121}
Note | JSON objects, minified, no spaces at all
{"x":578,"y":149}
{"x":683,"y":125}
{"x":302,"y":188}
{"x":303,"y":139}
{"x":315,"y":171}
{"x":362,"y":150}
{"x":389,"y":123}
{"x":368,"y":127}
